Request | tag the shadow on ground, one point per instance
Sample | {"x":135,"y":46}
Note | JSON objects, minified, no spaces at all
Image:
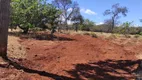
{"x":27,"y":70}
{"x":102,"y":70}
{"x":105,"y":70}
{"x":40,"y":36}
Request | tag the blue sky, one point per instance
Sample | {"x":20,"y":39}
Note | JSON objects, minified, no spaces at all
{"x":93,"y":10}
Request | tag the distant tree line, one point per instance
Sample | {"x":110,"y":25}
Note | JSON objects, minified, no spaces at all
{"x":112,"y":25}
{"x":34,"y":14}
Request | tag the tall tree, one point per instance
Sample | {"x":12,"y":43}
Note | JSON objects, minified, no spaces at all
{"x":4,"y":22}
{"x":67,"y":7}
{"x":116,"y":10}
{"x":77,"y":18}
{"x":53,"y":19}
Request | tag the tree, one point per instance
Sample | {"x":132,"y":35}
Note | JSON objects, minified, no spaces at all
{"x":4,"y":23}
{"x":67,"y":7}
{"x":108,"y":24}
{"x":77,"y":18}
{"x":28,"y":14}
{"x":87,"y":25}
{"x":24,"y":13}
{"x":53,"y":19}
{"x":116,"y":10}
{"x":126,"y":25}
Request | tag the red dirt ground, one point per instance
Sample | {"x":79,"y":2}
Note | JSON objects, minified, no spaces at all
{"x":80,"y":57}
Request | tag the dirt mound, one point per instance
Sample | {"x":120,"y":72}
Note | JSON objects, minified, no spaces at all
{"x":60,"y":56}
{"x":79,"y":59}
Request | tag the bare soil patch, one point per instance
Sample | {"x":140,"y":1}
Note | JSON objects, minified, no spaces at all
{"x":80,"y":58}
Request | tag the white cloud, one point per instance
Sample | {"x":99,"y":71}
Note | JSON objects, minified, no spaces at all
{"x":88,"y":11}
{"x":99,"y":23}
{"x":69,"y":22}
{"x":70,"y":9}
{"x":136,"y":25}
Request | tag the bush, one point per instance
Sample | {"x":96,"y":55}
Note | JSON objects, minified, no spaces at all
{"x":112,"y":37}
{"x":140,"y":33}
{"x":93,"y":35}
{"x":127,"y":36}
{"x":136,"y":36}
{"x":86,"y":33}
{"x":36,"y":29}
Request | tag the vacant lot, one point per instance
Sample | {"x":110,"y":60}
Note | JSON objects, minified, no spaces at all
{"x":74,"y":57}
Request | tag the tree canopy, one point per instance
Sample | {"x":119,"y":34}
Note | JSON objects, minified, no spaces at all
{"x":114,"y":12}
{"x":68,"y":8}
{"x":32,"y":13}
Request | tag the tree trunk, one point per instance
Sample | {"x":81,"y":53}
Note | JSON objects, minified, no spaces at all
{"x":66,"y":25}
{"x":52,"y":31}
{"x":76,"y":27}
{"x":112,"y":26}
{"x":26,"y":30}
{"x":4,"y":23}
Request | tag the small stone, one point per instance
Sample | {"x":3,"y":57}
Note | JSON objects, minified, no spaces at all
{"x":28,"y":48}
{"x":19,"y":59}
{"x":20,"y":48}
{"x":35,"y":55}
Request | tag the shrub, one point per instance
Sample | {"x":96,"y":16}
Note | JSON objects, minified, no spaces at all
{"x":136,"y":36}
{"x":112,"y":37}
{"x":140,"y":33}
{"x":127,"y":36}
{"x":93,"y":35}
{"x":86,"y":33}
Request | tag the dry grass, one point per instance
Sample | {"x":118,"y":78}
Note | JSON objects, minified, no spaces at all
{"x":15,"y":49}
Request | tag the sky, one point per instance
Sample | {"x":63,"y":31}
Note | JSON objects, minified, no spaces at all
{"x":94,"y":9}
